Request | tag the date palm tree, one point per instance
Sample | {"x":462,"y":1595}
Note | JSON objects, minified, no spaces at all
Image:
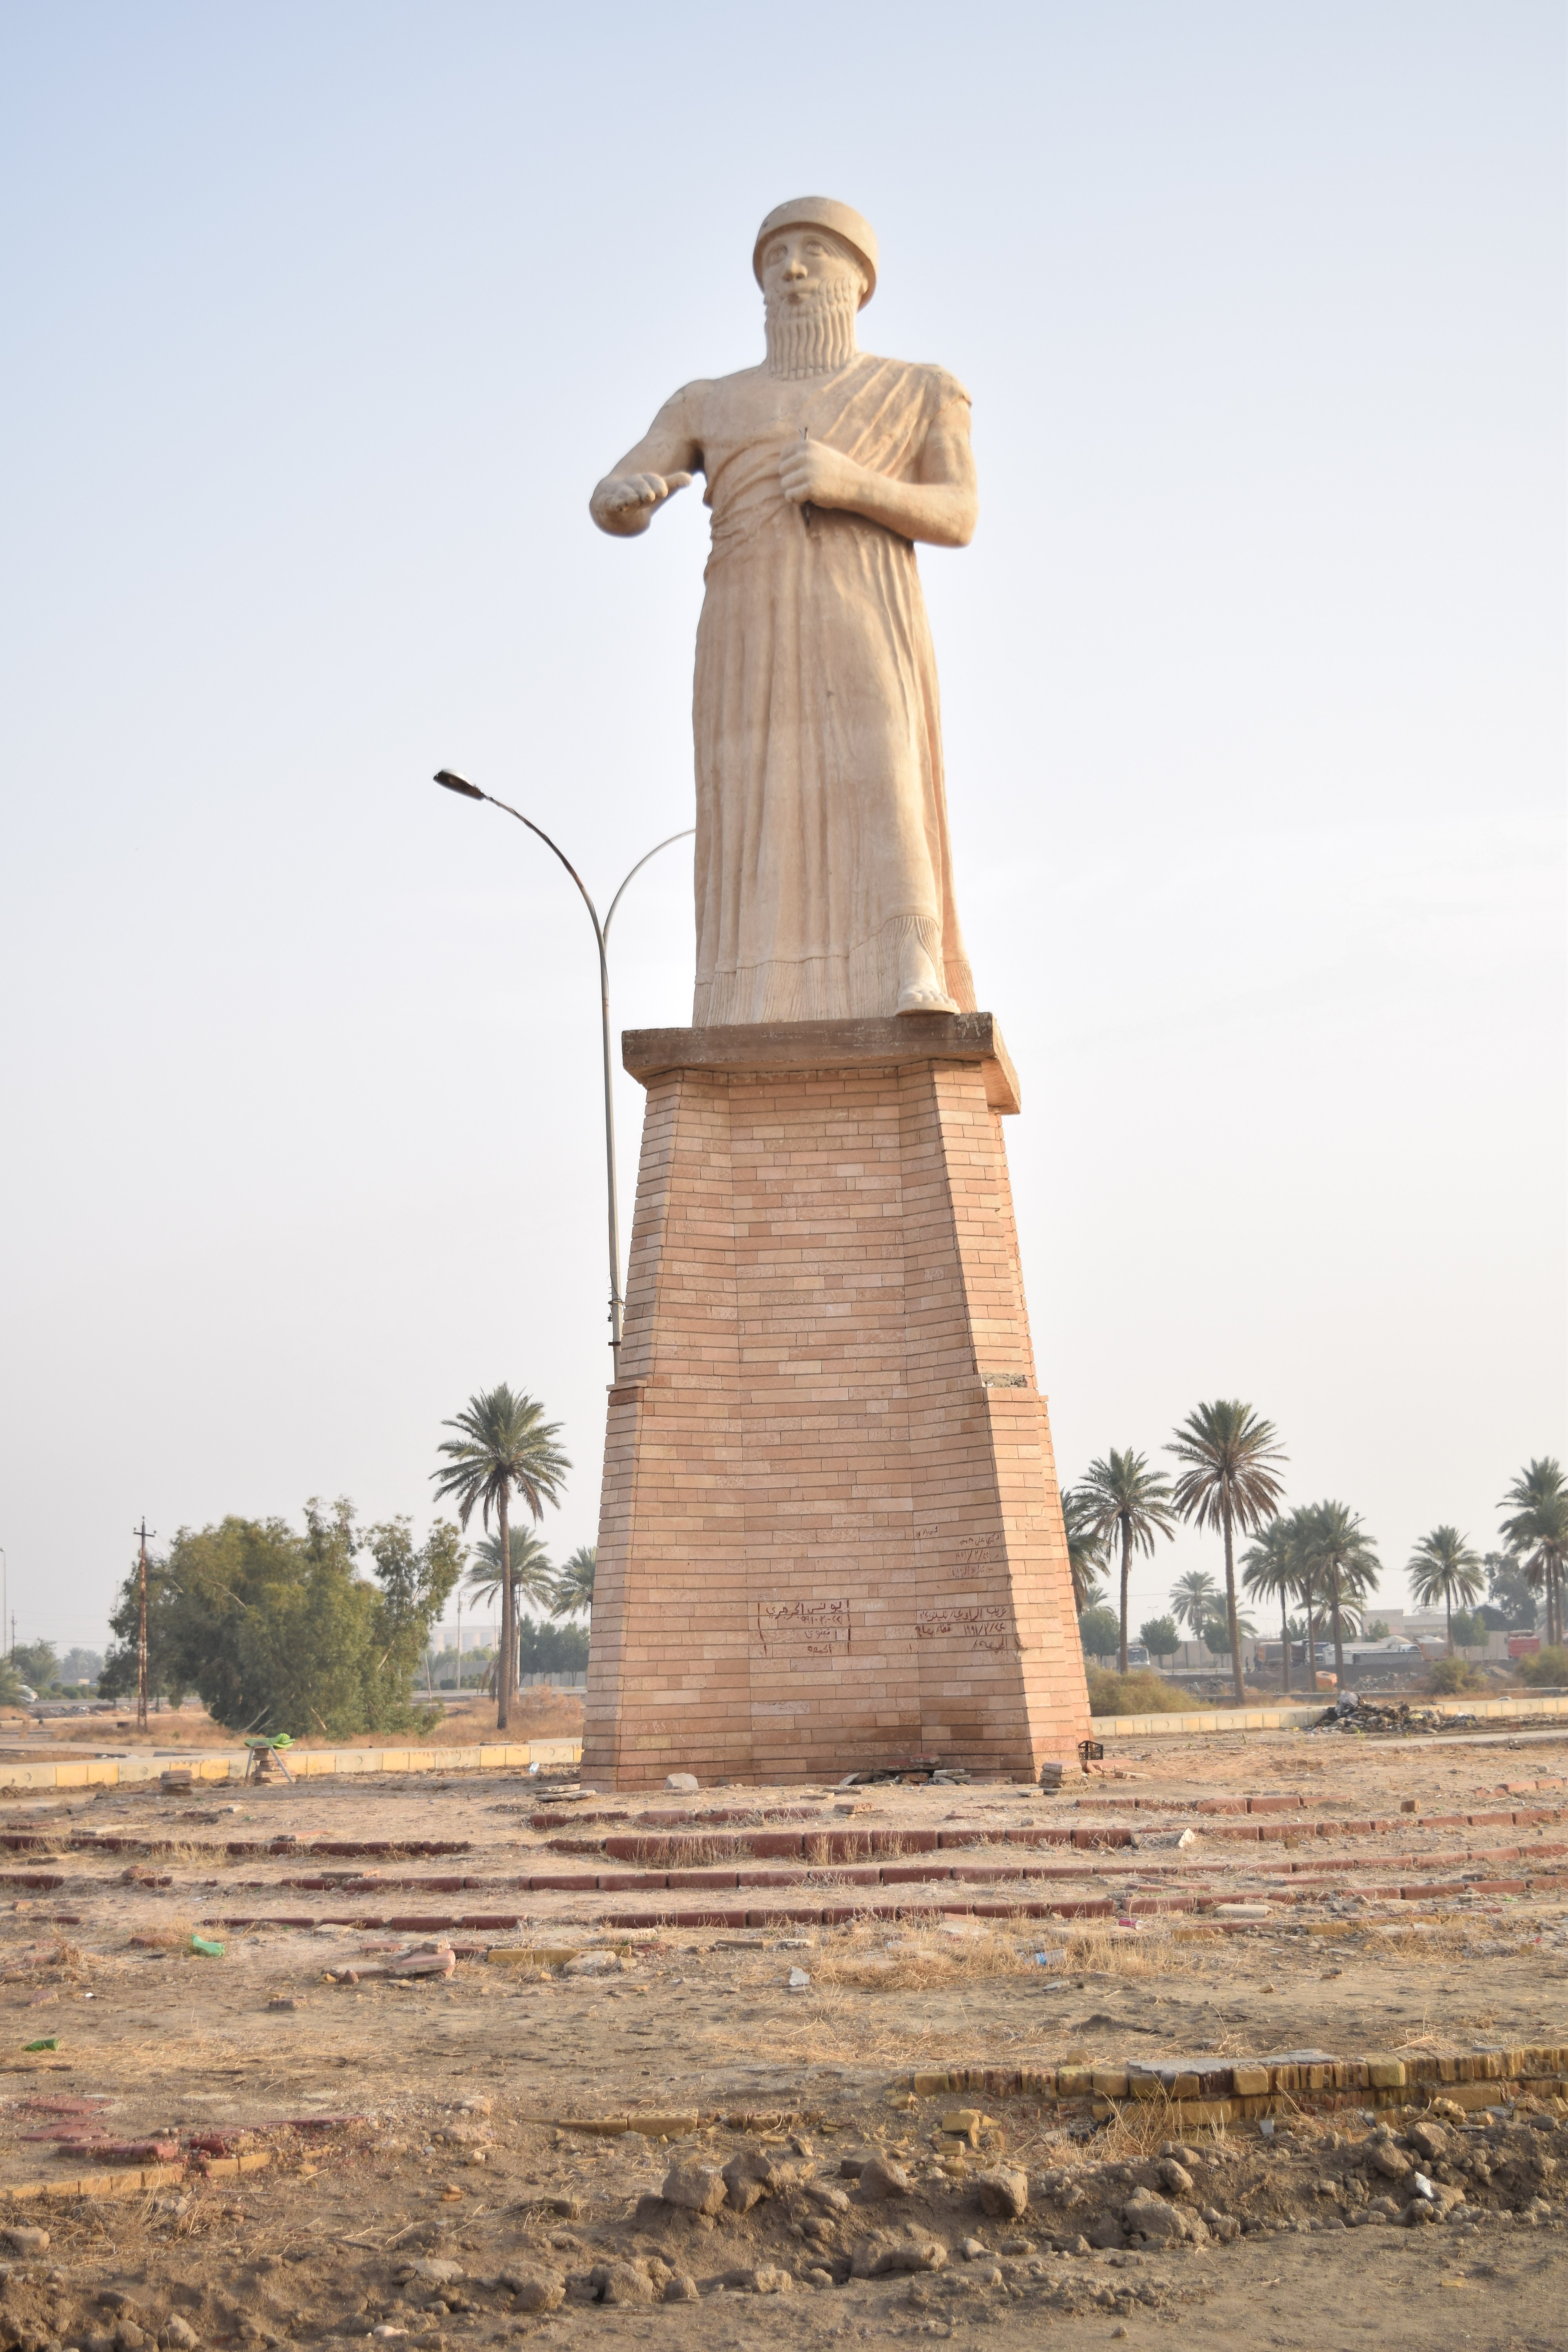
{"x":571,"y":1594}
{"x":1344,"y":1564}
{"x":1270,"y":1570}
{"x":1228,"y":1483}
{"x":533,"y":1573}
{"x":1194,"y":1598}
{"x":504,"y":1447}
{"x":1086,"y":1551}
{"x":1538,"y":1528}
{"x":1124,"y":1501}
{"x":1443,"y":1568}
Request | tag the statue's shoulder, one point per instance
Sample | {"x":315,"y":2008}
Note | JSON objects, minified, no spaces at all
{"x":934,"y":387}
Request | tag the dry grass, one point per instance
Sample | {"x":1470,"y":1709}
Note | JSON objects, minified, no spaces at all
{"x":919,"y":1960}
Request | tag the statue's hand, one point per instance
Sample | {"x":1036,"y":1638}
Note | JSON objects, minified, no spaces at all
{"x":811,"y":471}
{"x":626,"y":503}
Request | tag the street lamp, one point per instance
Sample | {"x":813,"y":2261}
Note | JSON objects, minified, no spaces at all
{"x":453,"y":783}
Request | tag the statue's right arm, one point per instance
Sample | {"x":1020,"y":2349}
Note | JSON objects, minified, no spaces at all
{"x":662,"y":462}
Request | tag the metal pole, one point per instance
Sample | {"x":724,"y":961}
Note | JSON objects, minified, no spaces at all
{"x":141,"y":1632}
{"x":455,"y":783}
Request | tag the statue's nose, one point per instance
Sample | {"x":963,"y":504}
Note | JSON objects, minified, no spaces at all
{"x":796,"y":268}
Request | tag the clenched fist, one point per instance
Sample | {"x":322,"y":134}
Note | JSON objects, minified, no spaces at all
{"x":811,"y":473}
{"x":626,"y":503}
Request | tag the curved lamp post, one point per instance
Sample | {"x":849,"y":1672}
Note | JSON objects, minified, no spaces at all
{"x":452,"y":783}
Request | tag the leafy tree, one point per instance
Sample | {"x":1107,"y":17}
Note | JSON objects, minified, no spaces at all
{"x":1538,"y":1531}
{"x":1161,"y":1636}
{"x":166,"y":1677}
{"x":1339,"y":1552}
{"x":552,"y":1649}
{"x":276,"y":1631}
{"x":10,"y":1684}
{"x":1125,"y":1502}
{"x":1099,"y":1631}
{"x":1228,"y":1483}
{"x":1271,"y":1571}
{"x":1467,"y":1631}
{"x":81,"y":1665}
{"x":571,"y":1594}
{"x":504,"y":1447}
{"x":1374,"y":1629}
{"x":1086,"y":1550}
{"x":1193,"y":1599}
{"x":1444,"y":1567}
{"x":1509,"y":1586}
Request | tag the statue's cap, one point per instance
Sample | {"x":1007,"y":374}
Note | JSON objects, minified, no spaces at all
{"x":823,"y":212}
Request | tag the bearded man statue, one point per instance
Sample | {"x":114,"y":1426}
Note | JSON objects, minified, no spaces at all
{"x":823,"y":872}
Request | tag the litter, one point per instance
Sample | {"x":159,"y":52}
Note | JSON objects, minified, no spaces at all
{"x":208,"y":1950}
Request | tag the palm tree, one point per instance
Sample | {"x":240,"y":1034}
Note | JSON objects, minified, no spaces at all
{"x":1539,"y":1528}
{"x":1228,"y":1483}
{"x":572,"y":1593}
{"x":1193,"y":1599}
{"x":532,"y":1574}
{"x":1443,"y":1568}
{"x":1270,"y":1570}
{"x":504,"y":1447}
{"x":1086,"y":1551}
{"x":1121,"y":1496}
{"x":1341,"y":1555}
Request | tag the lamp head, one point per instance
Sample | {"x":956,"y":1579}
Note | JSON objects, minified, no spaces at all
{"x":459,"y":784}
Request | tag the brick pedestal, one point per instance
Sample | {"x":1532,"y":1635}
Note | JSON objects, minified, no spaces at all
{"x":830,"y":1532}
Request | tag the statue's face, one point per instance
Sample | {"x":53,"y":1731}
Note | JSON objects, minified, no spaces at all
{"x":798,"y":261}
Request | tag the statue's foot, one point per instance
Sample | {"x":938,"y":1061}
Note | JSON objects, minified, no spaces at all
{"x":924,"y":996}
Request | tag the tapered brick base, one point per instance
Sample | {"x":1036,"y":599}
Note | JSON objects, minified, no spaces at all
{"x":830,"y":1533}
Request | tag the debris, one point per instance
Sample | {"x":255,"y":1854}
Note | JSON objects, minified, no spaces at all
{"x":1175,"y":2177}
{"x":1004,"y":2193}
{"x":682,"y":1784}
{"x":698,"y":2187}
{"x":799,"y":1982}
{"x":53,"y":2042}
{"x":26,"y":2240}
{"x":1051,"y":1773}
{"x":883,"y":2177}
{"x":207,"y":1947}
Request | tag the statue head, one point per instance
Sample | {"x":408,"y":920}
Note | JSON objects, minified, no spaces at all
{"x":815,"y":242}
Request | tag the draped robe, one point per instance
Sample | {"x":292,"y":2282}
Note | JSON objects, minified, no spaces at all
{"x":822,"y":839}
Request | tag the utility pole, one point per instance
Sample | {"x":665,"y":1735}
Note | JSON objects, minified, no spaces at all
{"x":141,"y":1631}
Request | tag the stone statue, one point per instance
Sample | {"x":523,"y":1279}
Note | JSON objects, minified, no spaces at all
{"x":824,"y":874}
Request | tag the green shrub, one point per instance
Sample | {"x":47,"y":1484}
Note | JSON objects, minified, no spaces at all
{"x":1550,"y":1665}
{"x":1451,"y":1676}
{"x":1143,"y":1693}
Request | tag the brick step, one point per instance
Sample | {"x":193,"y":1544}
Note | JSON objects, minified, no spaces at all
{"x":229,"y":1849}
{"x":844,"y":1845}
{"x":1000,"y":1872}
{"x":1081,"y":1905}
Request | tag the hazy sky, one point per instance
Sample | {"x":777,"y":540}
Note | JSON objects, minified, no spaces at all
{"x":321,"y":321}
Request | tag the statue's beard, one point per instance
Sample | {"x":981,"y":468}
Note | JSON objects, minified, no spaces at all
{"x":811,"y":333}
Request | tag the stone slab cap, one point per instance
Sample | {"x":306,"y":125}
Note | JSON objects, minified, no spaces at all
{"x":822,"y":212}
{"x":763,"y":1046}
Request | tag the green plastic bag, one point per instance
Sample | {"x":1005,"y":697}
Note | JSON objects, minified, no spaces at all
{"x":209,"y":1951}
{"x":52,"y":2043}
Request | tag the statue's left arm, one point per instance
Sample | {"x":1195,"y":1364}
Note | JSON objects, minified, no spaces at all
{"x":940,"y":506}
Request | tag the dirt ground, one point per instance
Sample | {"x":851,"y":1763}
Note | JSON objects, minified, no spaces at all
{"x":432,"y":2122}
